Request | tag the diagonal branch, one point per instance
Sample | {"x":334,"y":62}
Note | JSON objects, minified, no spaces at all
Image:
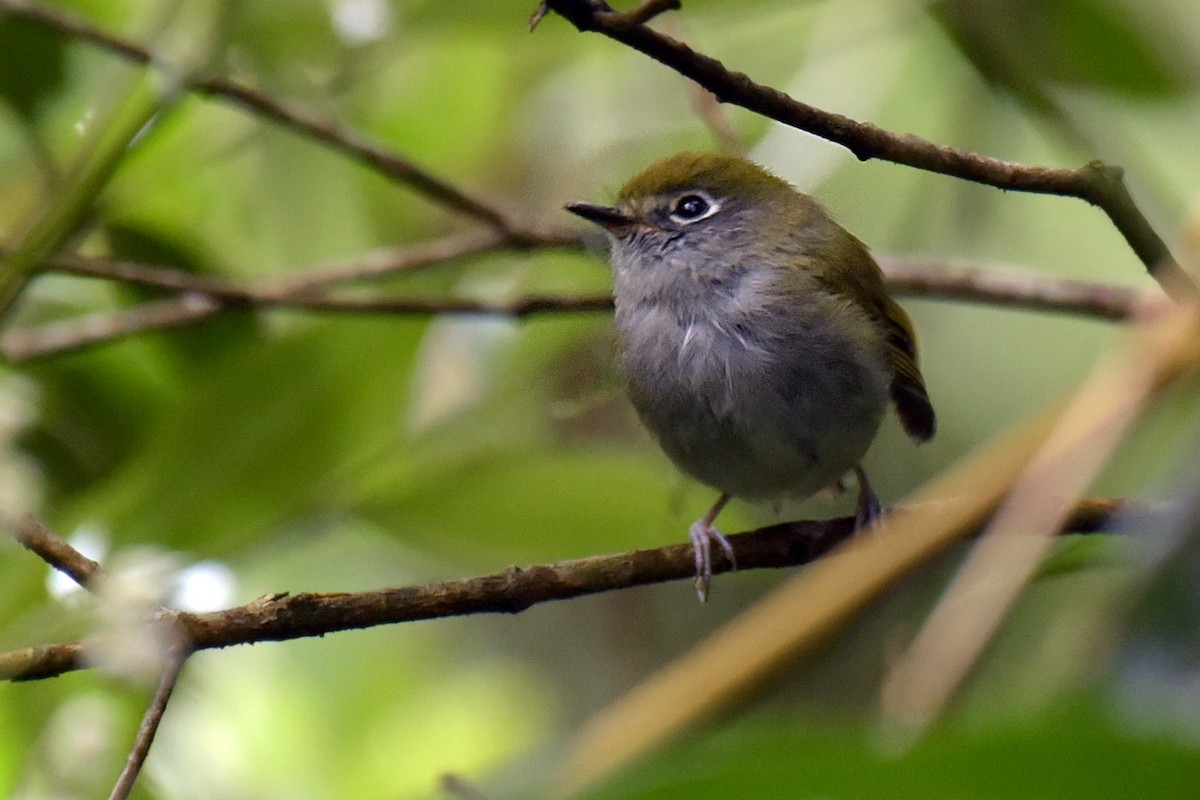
{"x":57,"y":552}
{"x":284,"y":617}
{"x":1100,"y":184}
{"x":150,"y":722}
{"x":353,"y":144}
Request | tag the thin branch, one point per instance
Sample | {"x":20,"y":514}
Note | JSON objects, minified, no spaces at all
{"x":44,"y":661}
{"x":150,"y":722}
{"x":284,"y":617}
{"x":208,"y":296}
{"x":69,"y":336}
{"x":92,"y":330}
{"x":57,"y":552}
{"x":1006,"y":287}
{"x":376,"y":264}
{"x":1100,"y":184}
{"x":204,"y":295}
{"x":353,"y":144}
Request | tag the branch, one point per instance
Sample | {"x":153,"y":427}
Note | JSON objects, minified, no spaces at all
{"x":203,"y":296}
{"x":936,"y":279}
{"x":355,"y":145}
{"x":284,"y":617}
{"x":150,"y":722}
{"x":57,"y":552}
{"x":92,"y":330}
{"x":1097,"y":183}
{"x":207,"y":296}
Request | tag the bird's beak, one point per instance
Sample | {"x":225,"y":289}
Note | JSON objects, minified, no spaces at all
{"x":605,"y":216}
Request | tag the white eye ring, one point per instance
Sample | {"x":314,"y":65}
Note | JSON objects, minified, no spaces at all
{"x":692,"y":207}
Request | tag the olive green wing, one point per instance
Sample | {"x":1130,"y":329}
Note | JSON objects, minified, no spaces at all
{"x":861,"y":281}
{"x":908,"y":386}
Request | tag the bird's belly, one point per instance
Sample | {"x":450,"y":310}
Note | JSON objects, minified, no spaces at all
{"x":754,"y":417}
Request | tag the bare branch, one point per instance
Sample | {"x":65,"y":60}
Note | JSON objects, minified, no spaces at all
{"x":150,"y":722}
{"x":208,"y":296}
{"x":376,"y":264}
{"x":1100,"y":184}
{"x":283,"y":617}
{"x":102,"y":327}
{"x":937,"y":279}
{"x":57,"y":552}
{"x":57,"y":338}
{"x":353,"y":144}
{"x":45,"y":661}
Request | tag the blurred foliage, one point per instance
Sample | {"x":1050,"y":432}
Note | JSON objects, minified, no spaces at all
{"x":339,"y":453}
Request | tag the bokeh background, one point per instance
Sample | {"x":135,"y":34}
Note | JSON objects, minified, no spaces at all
{"x":275,"y":451}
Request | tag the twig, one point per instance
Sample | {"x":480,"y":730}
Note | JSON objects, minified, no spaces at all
{"x":150,"y":722}
{"x":58,"y":338}
{"x":1102,"y":412}
{"x":285,"y":617}
{"x":1099,"y":184}
{"x":1006,"y":287}
{"x":69,"y":336}
{"x":57,"y":552}
{"x":205,"y":295}
{"x":44,"y":661}
{"x":359,"y":147}
{"x":377,"y":264}
{"x":208,"y":296}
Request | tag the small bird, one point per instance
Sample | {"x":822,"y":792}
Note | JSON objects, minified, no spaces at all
{"x":757,"y":338}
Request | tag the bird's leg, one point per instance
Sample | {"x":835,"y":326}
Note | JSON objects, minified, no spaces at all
{"x":703,"y":534}
{"x":869,"y":507}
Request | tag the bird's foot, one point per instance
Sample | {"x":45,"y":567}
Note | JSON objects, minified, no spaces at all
{"x":869,"y":508}
{"x":703,"y":535}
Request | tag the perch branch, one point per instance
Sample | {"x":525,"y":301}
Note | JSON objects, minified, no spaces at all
{"x":284,"y":617}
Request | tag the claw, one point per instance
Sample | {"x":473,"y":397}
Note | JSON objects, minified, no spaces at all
{"x":703,"y":534}
{"x":869,"y":507}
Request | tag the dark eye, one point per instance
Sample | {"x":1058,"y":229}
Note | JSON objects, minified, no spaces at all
{"x":692,"y":207}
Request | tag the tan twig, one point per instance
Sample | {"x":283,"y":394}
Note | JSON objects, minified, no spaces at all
{"x":150,"y":722}
{"x":1099,"y":184}
{"x":1104,"y":409}
{"x":57,"y":552}
{"x":284,"y":617}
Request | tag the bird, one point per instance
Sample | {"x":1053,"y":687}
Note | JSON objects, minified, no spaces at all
{"x":756,"y":336}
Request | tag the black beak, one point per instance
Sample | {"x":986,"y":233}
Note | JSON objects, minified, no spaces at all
{"x":605,"y":216}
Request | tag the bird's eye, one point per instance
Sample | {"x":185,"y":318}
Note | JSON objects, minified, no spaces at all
{"x":692,"y":208}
